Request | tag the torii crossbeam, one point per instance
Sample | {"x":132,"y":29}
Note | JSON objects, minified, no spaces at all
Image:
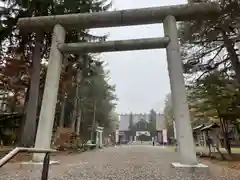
{"x":153,"y":15}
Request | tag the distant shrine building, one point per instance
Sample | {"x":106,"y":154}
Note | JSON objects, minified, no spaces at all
{"x":142,"y":127}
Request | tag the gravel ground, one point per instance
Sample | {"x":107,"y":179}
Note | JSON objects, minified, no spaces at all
{"x":138,"y":162}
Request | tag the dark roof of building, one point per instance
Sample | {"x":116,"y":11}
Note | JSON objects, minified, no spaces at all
{"x":211,"y":126}
{"x":199,"y":127}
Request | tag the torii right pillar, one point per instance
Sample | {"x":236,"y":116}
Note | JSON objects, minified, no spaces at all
{"x":186,"y":147}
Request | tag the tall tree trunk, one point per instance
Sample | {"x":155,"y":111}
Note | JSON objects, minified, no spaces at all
{"x":78,"y":112}
{"x":216,"y":140}
{"x":29,"y":130}
{"x":94,"y":120}
{"x":227,"y":143}
{"x":75,"y":108}
{"x":23,"y":118}
{"x":79,"y":118}
{"x":232,"y":54}
{"x":13,"y":100}
{"x":74,"y":116}
{"x":77,"y":100}
{"x":5,"y":102}
{"x":78,"y":126}
{"x":237,"y":127}
{"x":224,"y":129}
{"x":62,"y":113}
{"x":1,"y":102}
{"x":236,"y":67}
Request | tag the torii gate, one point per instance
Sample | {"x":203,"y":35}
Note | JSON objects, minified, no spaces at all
{"x":168,"y":15}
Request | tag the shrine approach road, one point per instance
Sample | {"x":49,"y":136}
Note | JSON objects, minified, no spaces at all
{"x":126,"y":162}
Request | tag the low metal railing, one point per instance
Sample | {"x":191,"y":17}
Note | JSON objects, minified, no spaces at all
{"x":17,"y":150}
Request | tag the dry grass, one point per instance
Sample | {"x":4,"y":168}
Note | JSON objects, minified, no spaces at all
{"x":234,"y":163}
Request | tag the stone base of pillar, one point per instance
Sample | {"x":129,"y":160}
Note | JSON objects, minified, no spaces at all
{"x":201,"y":168}
{"x":33,"y":163}
{"x":196,"y":168}
{"x":176,"y":164}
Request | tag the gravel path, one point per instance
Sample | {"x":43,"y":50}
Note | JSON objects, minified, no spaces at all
{"x":138,"y":162}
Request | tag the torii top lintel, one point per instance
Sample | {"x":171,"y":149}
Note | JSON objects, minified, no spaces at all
{"x":153,"y":15}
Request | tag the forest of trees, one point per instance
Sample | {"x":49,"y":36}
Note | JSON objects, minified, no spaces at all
{"x":210,"y":51}
{"x":85,"y":95}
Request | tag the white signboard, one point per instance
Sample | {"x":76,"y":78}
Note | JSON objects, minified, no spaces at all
{"x":174,"y":129}
{"x":164,"y":133}
{"x":138,"y":133}
{"x":117,"y":136}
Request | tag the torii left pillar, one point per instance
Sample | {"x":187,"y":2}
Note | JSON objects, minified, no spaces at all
{"x":47,"y":113}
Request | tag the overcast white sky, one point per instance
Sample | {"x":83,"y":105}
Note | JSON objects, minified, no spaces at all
{"x":141,"y":77}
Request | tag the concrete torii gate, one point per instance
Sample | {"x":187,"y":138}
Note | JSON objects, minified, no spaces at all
{"x":168,"y":15}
